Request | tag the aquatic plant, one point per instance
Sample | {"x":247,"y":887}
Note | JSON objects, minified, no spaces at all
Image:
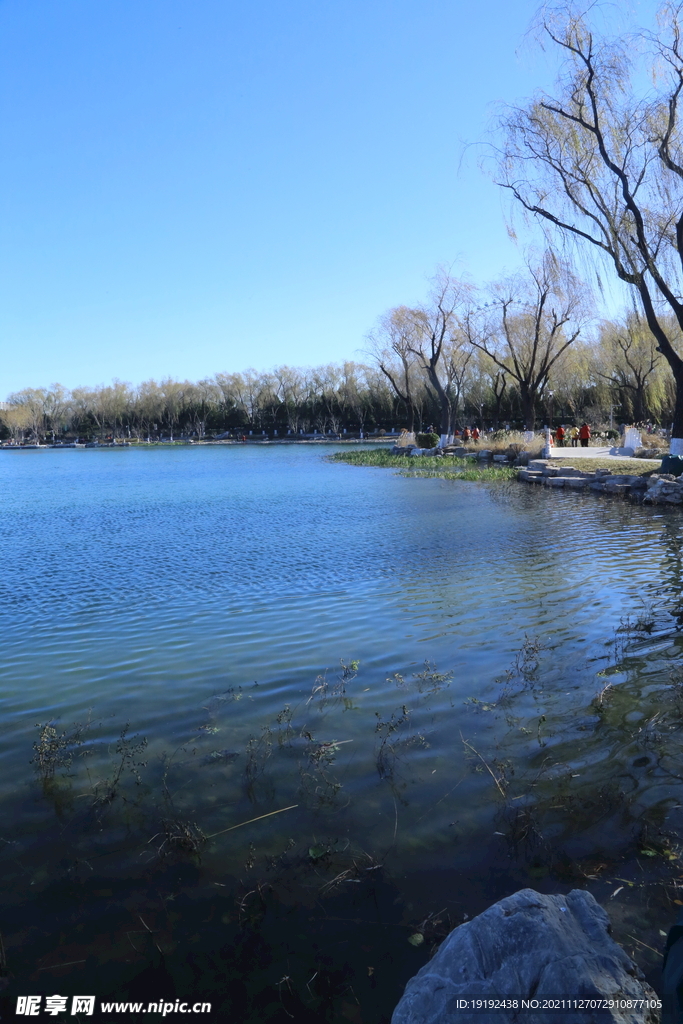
{"x":429,"y":680}
{"x":180,"y":836}
{"x":128,"y":759}
{"x":385,"y":757}
{"x":258,"y":751}
{"x":284,"y":723}
{"x":325,"y":692}
{"x":539,"y":806}
{"x":53,"y":751}
{"x":316,"y":776}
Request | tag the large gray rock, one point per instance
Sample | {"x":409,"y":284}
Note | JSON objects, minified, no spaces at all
{"x":528,"y":946}
{"x":664,"y":488}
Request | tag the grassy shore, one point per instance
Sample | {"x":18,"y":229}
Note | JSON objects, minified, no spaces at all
{"x":447,"y":467}
{"x":633,"y":467}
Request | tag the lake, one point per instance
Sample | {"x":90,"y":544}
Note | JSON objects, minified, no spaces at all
{"x":456,"y":689}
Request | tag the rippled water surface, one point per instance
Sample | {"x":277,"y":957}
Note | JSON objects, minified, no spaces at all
{"x":205,"y":598}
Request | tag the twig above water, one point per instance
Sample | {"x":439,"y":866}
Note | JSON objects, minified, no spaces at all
{"x":488,"y":769}
{"x":54,"y":967}
{"x":269,"y":815}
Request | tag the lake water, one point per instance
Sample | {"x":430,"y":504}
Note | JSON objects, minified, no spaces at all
{"x":183,"y":617}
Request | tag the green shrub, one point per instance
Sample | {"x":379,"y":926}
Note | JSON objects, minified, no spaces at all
{"x":427,"y":440}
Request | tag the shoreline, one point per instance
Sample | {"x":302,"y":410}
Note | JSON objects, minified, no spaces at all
{"x":637,"y":480}
{"x":191,"y":444}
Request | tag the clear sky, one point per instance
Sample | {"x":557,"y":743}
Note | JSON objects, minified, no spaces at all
{"x":190,"y":186}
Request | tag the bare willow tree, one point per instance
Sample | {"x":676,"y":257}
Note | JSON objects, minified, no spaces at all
{"x":532,"y":319}
{"x":439,"y":344}
{"x":393,"y":344}
{"x":602,"y":165}
{"x":628,"y":360}
{"x":27,"y":407}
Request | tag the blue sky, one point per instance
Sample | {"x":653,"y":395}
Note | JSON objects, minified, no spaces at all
{"x":191,"y":186}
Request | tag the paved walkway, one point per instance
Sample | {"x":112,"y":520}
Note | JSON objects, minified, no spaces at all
{"x":586,"y":453}
{"x":592,"y":453}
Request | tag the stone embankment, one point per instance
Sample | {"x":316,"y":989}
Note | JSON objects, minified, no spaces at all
{"x":653,"y":489}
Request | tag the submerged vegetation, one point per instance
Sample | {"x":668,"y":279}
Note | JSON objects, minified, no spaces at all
{"x":308,"y":820}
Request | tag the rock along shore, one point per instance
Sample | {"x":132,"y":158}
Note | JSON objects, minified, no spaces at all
{"x":653,"y":489}
{"x":553,"y":953}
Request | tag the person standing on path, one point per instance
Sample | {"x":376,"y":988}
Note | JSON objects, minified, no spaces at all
{"x":559,"y":434}
{"x":574,"y":434}
{"x":585,"y":435}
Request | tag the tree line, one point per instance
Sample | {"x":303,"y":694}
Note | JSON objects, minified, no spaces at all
{"x":508,"y":361}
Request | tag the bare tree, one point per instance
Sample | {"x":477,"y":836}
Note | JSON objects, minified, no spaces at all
{"x":57,"y":408}
{"x":576,"y":386}
{"x":325,"y":382}
{"x":393,"y":343}
{"x":17,"y":419}
{"x":531,"y":321}
{"x":230,"y":401}
{"x":486,"y":387}
{"x":149,"y":406}
{"x":600,"y":164}
{"x":31,"y":402}
{"x":438,"y":342}
{"x":200,"y":398}
{"x":628,"y":359}
{"x":293,"y":392}
{"x":355,"y":395}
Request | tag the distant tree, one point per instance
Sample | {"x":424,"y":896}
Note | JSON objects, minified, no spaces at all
{"x":200,"y":399}
{"x":325,"y":384}
{"x":149,"y":407}
{"x":57,"y":409}
{"x":28,"y":407}
{"x":575,"y":383}
{"x":18,"y":420}
{"x":530,"y":321}
{"x":232,"y":408}
{"x":629,"y":361}
{"x":292,"y":390}
{"x":356,"y":399}
{"x":393,"y":345}
{"x":439,"y":344}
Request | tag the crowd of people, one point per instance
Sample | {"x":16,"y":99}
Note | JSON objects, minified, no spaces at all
{"x":559,"y":436}
{"x":562,"y":436}
{"x":572,"y":434}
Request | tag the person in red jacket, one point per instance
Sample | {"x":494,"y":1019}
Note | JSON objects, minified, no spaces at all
{"x":475,"y":433}
{"x":584,"y":434}
{"x":466,"y":434}
{"x":559,"y":434}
